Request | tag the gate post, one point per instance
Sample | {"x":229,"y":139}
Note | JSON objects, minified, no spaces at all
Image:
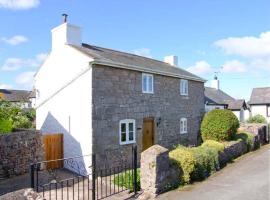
{"x":135,"y":169}
{"x":93,"y":176}
{"x":32,"y":175}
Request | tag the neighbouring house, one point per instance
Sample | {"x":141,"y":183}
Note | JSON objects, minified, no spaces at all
{"x":104,"y":101}
{"x":17,"y":97}
{"x":215,"y":98}
{"x":240,"y":108}
{"x":260,"y":102}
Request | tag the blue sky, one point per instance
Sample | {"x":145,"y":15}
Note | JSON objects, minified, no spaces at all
{"x":205,"y":34}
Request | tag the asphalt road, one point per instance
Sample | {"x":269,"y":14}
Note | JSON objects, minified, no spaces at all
{"x":248,"y":178}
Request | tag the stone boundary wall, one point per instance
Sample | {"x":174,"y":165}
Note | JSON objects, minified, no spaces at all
{"x":18,"y":150}
{"x":259,"y":130}
{"x":233,"y":150}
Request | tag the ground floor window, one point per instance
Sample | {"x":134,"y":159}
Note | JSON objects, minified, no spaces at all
{"x":127,"y":131}
{"x":183,"y":125}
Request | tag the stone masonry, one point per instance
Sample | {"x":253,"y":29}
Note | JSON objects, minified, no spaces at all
{"x":18,"y":150}
{"x":117,"y":95}
{"x":157,"y":174}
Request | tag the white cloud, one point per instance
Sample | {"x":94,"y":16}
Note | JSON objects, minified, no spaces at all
{"x":250,"y":46}
{"x":13,"y":64}
{"x":143,"y":52}
{"x":18,"y":4}
{"x":15,"y":40}
{"x":233,"y":66}
{"x":26,"y":79}
{"x":5,"y":86}
{"x":200,"y":68}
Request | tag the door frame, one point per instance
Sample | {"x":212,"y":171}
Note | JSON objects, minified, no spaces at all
{"x":146,"y":119}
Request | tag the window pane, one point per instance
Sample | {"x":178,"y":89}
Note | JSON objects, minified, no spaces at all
{"x":123,"y":137}
{"x":150,"y":84}
{"x":123,"y":127}
{"x":144,"y":83}
{"x":130,"y":127}
{"x":130,"y":136}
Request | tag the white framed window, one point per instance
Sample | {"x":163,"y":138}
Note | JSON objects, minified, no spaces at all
{"x":127,"y":131}
{"x":147,"y":83}
{"x":183,"y":87}
{"x":268,"y":111}
{"x":183,"y":125}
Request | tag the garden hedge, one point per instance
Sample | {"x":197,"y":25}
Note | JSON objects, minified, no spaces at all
{"x":219,"y":125}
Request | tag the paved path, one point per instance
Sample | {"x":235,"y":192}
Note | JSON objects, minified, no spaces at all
{"x":248,"y":178}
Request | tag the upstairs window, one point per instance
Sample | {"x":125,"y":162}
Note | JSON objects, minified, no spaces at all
{"x":183,"y":125}
{"x":183,"y":87}
{"x":268,"y":111}
{"x":147,"y":83}
{"x":127,"y":131}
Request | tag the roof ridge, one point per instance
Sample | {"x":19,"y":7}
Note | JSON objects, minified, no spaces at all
{"x":132,"y":54}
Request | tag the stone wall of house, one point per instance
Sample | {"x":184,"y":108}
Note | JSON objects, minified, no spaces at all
{"x":18,"y":150}
{"x":117,"y":95}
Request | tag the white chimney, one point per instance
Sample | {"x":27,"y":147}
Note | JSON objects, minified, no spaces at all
{"x":215,"y":83}
{"x":172,"y":60}
{"x":66,"y":34}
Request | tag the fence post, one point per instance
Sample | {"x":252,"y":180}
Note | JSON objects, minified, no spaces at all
{"x":135,"y":169}
{"x":93,"y":176}
{"x":32,"y":175}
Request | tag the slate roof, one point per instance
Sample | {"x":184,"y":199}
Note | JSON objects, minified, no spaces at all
{"x":216,"y":97}
{"x":15,"y":95}
{"x":237,"y":104}
{"x":260,"y":96}
{"x":128,"y":59}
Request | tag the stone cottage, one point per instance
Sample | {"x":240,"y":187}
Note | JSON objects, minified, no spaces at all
{"x":104,"y":101}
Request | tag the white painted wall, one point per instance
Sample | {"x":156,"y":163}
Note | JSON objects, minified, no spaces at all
{"x":247,"y":114}
{"x":208,"y":108}
{"x":259,"y":109}
{"x":64,"y":100}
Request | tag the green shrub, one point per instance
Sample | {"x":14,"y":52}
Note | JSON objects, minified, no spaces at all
{"x":21,"y":121}
{"x":206,"y":162}
{"x":19,"y":117}
{"x":5,"y":126}
{"x":125,"y":179}
{"x":214,"y":144}
{"x":185,"y":160}
{"x":257,"y":119}
{"x":219,"y":125}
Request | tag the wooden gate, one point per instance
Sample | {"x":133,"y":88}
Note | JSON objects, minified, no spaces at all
{"x":53,"y":147}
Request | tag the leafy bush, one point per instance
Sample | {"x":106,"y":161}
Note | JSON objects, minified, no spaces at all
{"x":219,"y":125}
{"x":257,"y":119}
{"x":214,"y":144}
{"x":18,"y":117}
{"x":125,"y":179}
{"x":185,"y":160}
{"x":206,"y":162}
{"x":5,"y":126}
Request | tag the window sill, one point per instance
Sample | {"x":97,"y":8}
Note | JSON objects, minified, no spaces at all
{"x":129,"y":142}
{"x":148,"y":92}
{"x":183,"y":133}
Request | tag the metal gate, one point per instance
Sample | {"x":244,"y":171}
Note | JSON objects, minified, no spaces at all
{"x":73,"y":181}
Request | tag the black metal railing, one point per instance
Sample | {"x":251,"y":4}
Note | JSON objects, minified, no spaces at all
{"x":69,"y":178}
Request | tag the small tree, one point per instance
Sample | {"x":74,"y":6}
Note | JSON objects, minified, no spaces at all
{"x":257,"y":119}
{"x":219,"y":125}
